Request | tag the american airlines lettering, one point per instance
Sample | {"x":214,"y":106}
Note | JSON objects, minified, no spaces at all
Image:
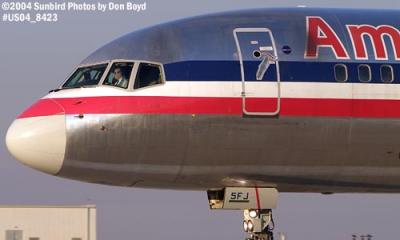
{"x":321,"y":35}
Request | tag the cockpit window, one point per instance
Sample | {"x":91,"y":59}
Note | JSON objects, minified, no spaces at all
{"x":148,"y":74}
{"x":119,"y":74}
{"x":86,"y":76}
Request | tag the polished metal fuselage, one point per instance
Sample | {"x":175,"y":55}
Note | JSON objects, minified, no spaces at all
{"x":213,"y":151}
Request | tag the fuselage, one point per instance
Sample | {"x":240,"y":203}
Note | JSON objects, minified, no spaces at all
{"x":302,"y":100}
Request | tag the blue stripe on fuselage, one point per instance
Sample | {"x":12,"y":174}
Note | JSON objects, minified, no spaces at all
{"x":289,"y":71}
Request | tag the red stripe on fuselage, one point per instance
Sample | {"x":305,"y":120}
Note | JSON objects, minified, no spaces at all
{"x":43,"y":107}
{"x":311,"y":107}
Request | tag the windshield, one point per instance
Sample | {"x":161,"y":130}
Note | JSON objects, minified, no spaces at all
{"x":86,"y":76}
{"x":119,"y":74}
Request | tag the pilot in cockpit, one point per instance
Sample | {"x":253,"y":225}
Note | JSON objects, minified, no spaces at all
{"x":86,"y":77}
{"x":119,"y":79}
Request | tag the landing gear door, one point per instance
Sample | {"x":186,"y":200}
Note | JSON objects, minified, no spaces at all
{"x":259,"y":68}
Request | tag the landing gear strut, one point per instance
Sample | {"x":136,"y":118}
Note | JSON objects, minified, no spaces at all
{"x":257,"y":205}
{"x":259,"y":224}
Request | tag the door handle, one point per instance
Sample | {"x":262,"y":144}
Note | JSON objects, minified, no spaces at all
{"x":264,"y":65}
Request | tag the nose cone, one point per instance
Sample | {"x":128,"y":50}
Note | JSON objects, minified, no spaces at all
{"x":38,"y":142}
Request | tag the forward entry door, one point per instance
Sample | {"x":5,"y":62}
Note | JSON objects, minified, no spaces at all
{"x":259,"y":68}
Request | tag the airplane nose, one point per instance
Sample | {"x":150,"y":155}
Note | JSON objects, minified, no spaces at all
{"x":38,"y":142}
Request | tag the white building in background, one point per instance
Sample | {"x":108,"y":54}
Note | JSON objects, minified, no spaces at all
{"x":48,"y":222}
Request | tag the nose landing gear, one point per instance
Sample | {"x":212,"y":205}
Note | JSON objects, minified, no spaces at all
{"x":259,"y":224}
{"x":257,"y":205}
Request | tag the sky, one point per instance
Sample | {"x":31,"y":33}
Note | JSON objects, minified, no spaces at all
{"x":35,"y":58}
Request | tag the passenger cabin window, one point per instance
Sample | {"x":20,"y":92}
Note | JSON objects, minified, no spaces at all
{"x":364,"y":73}
{"x":119,"y":75}
{"x":85,"y":76}
{"x":341,"y":74}
{"x":387,"y":74}
{"x":148,"y":75}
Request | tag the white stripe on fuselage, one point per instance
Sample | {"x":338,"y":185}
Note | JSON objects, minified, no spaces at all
{"x":253,"y":89}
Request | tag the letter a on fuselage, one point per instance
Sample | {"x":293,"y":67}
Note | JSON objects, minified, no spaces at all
{"x":321,"y":35}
